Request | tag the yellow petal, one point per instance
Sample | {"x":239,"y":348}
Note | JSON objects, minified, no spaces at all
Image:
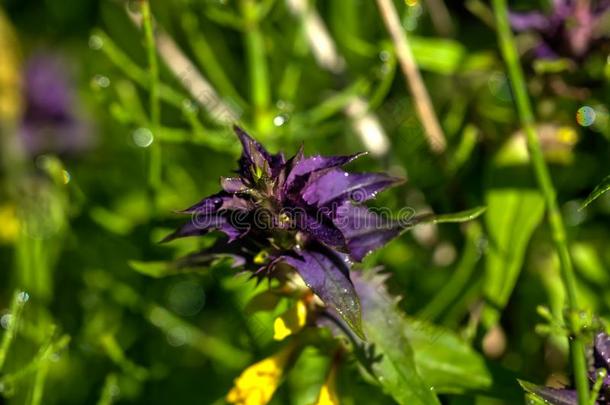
{"x":328,"y":395}
{"x":10,"y":78}
{"x":257,"y":383}
{"x":9,"y":228}
{"x":290,"y":321}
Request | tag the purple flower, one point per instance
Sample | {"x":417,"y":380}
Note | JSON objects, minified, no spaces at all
{"x":50,"y":121}
{"x":600,"y":361}
{"x":569,"y":30}
{"x":305,"y":212}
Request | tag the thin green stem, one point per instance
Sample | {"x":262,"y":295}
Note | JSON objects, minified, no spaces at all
{"x":154,"y":167}
{"x":135,"y":72}
{"x":258,"y":69}
{"x":526,"y":115}
{"x":19,"y":300}
{"x":460,"y":278}
{"x":204,"y":54}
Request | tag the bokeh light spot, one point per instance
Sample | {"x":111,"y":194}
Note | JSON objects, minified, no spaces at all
{"x":585,"y":116}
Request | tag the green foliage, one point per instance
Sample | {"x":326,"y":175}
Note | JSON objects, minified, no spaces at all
{"x":113,"y":316}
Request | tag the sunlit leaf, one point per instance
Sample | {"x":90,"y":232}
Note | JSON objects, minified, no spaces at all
{"x":515,"y":207}
{"x":444,"y":360}
{"x":385,"y":327}
{"x":437,"y":54}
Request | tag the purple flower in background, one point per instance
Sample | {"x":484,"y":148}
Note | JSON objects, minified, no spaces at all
{"x":305,"y":212}
{"x":569,"y":30}
{"x":600,"y":361}
{"x":51,"y":122}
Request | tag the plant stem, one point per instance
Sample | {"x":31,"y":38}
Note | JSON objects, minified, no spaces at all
{"x":154,"y":165}
{"x":17,"y":304}
{"x":526,"y":115}
{"x":423,"y":104}
{"x":257,"y":65}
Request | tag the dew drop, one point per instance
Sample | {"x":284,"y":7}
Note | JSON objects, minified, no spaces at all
{"x":96,"y":42}
{"x":142,"y":137}
{"x":189,"y":106}
{"x":101,"y":81}
{"x":23,"y":297}
{"x":177,"y":336}
{"x":346,"y":174}
{"x":66,"y":177}
{"x":279,"y":120}
{"x":6,"y":320}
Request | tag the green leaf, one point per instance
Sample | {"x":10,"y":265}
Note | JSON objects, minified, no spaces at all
{"x":545,"y":395}
{"x":158,"y":269}
{"x":307,"y":376}
{"x":514,"y":210}
{"x":462,"y":216}
{"x":444,"y":360}
{"x":597,"y":192}
{"x":393,"y":363}
{"x":437,"y":55}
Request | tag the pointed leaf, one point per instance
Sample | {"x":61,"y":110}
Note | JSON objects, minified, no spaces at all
{"x":551,"y":395}
{"x":600,"y":189}
{"x":191,"y":264}
{"x":365,"y":230}
{"x":462,"y":216}
{"x":444,"y":360}
{"x":338,"y":185}
{"x":302,"y":167}
{"x":515,"y":208}
{"x":384,"y":326}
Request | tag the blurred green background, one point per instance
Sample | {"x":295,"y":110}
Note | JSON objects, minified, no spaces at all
{"x":96,"y":330}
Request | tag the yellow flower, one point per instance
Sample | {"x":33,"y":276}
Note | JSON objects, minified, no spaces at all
{"x":10,"y":78}
{"x":290,"y":321}
{"x":257,"y":383}
{"x":9,"y":228}
{"x":328,"y":394}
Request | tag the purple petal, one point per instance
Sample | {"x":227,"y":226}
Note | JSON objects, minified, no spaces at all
{"x":218,"y":202}
{"x":254,"y":155}
{"x":232,"y":184}
{"x":48,"y":89}
{"x":203,"y":224}
{"x":529,"y":21}
{"x":544,"y":51}
{"x":339,"y":186}
{"x":51,"y":120}
{"x":302,"y":167}
{"x":601,"y":355}
{"x":318,"y":225}
{"x":327,"y":274}
{"x":365,"y":230}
